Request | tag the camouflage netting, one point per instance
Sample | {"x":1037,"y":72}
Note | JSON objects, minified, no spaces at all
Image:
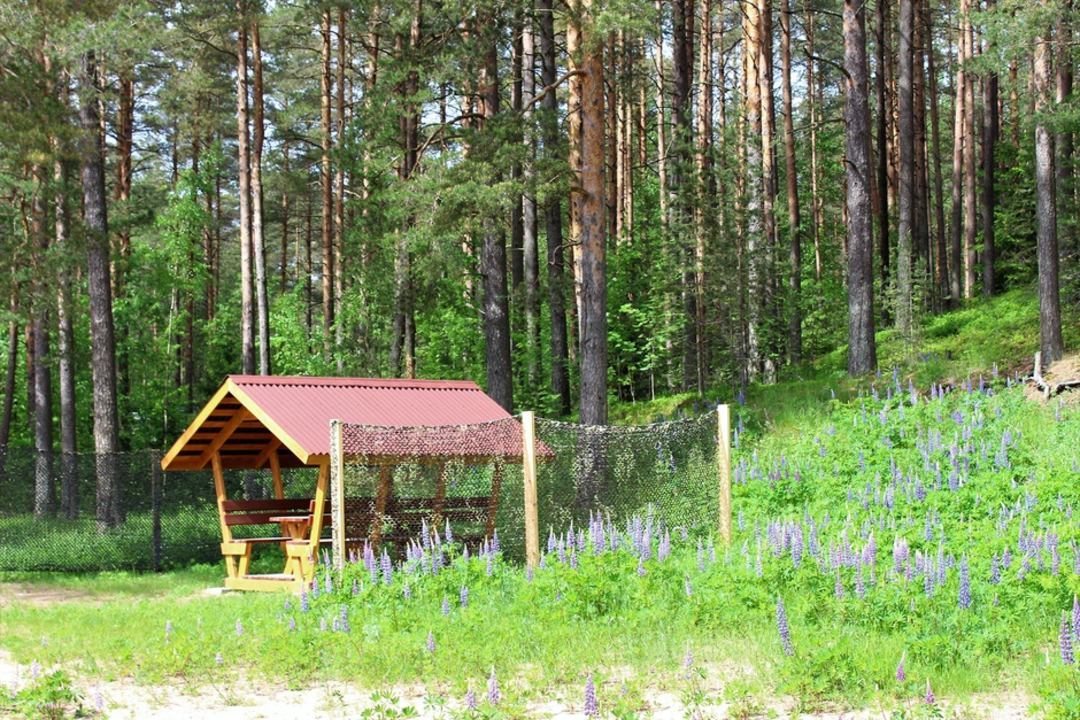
{"x":666,"y":469}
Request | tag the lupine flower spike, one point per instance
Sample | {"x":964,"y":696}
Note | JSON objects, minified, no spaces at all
{"x":591,"y":708}
{"x":493,"y":694}
{"x":929,"y":697}
{"x":783,"y":628}
{"x":901,"y":674}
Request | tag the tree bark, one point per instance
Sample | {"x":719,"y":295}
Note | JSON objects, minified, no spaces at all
{"x":327,"y":179}
{"x":594,"y":357}
{"x":530,"y":251}
{"x":756,"y":269}
{"x":65,"y":338}
{"x":794,"y":221}
{"x":493,"y":265}
{"x":811,"y":101}
{"x":560,"y":366}
{"x":989,"y":141}
{"x":1050,"y":341}
{"x":769,"y":284}
{"x":247,"y":310}
{"x":44,"y":486}
{"x":339,"y":192}
{"x":906,"y":184}
{"x":883,"y":112}
{"x":704,"y":214}
{"x":102,"y":337}
{"x":862,"y":351}
{"x":970,"y":222}
{"x":956,"y":257}
{"x":258,"y":245}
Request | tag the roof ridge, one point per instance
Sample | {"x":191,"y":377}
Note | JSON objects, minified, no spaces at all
{"x":312,"y":380}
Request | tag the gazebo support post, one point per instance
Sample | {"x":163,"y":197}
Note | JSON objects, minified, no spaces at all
{"x":275,"y":475}
{"x":228,"y":547}
{"x":440,"y":498}
{"x":382,"y":499}
{"x":311,"y":554}
{"x":493,"y":503}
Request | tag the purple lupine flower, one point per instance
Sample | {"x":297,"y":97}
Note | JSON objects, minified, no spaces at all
{"x":687,"y":587}
{"x":292,"y":623}
{"x":591,"y":708}
{"x":445,"y":605}
{"x":329,"y":583}
{"x":219,"y":659}
{"x":641,"y":568}
{"x":1076,"y":618}
{"x":448,"y":536}
{"x":406,"y":592}
{"x":315,"y":586}
{"x":464,"y":596}
{"x":322,"y":624}
{"x":1065,"y":640}
{"x":688,"y":659}
{"x":995,"y":570}
{"x":168,"y":630}
{"x":387,"y":568}
{"x":838,"y":587}
{"x":964,"y":598}
{"x":782,"y":627}
{"x":429,"y":645}
{"x":35,"y":670}
{"x":470,"y":699}
{"x":929,"y":698}
{"x":901,"y":674}
{"x":343,"y":617}
{"x":305,"y":602}
{"x":493,"y":694}
{"x":239,"y":628}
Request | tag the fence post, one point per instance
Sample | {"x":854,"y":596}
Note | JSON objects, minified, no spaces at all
{"x":723,"y":461}
{"x":528,"y":466}
{"x":337,"y":494}
{"x":155,"y":509}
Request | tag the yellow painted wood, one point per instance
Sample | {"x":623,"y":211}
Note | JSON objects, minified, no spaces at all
{"x":723,"y":462}
{"x":268,"y":422}
{"x":194,"y":427}
{"x":265,"y":584}
{"x":532,"y":512}
{"x":320,"y":507}
{"x":275,"y":474}
{"x":223,"y":435}
{"x":268,"y":454}
{"x":226,"y":533}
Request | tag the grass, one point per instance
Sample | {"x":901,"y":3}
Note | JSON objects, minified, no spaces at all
{"x":857,"y":512}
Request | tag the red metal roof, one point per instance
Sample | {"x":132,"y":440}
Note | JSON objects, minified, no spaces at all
{"x":250,"y":416}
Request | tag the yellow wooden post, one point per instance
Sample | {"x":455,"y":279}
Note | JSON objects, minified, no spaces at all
{"x":528,"y":467}
{"x":318,"y":510}
{"x":723,"y":461}
{"x":337,"y":489}
{"x":219,"y":490}
{"x":275,"y":475}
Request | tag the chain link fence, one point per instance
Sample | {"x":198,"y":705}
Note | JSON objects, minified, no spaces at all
{"x":50,"y":505}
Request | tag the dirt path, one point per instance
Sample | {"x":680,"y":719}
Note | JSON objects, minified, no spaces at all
{"x":125,"y":700}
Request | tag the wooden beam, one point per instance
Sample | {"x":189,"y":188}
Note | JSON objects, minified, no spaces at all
{"x":320,"y":507}
{"x":493,"y":503}
{"x":532,"y":515}
{"x":202,"y":417}
{"x":275,"y":475}
{"x":723,"y":462}
{"x":269,"y":453}
{"x":223,"y":435}
{"x":226,"y":533}
{"x":270,"y":424}
{"x":337,"y":487}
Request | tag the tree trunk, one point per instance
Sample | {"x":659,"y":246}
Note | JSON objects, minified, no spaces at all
{"x":327,"y":179}
{"x":753,"y":189}
{"x":956,"y":257}
{"x":794,"y":221}
{"x":102,"y":339}
{"x":884,"y":247}
{"x":941,"y":250}
{"x":1050,"y":340}
{"x":65,"y":341}
{"x":493,"y":265}
{"x":906,"y":184}
{"x":247,"y":310}
{"x":811,"y":101}
{"x":594,"y":358}
{"x":9,"y":382}
{"x":530,"y":251}
{"x":862,"y":351}
{"x":970,"y":223}
{"x":704,"y":214}
{"x":1068,"y":231}
{"x":339,"y":193}
{"x":258,"y":245}
{"x":283,"y":274}
{"x":769,"y":193}
{"x":560,"y":367}
{"x":517,"y":229}
{"x":989,"y":140}
{"x":44,"y":487}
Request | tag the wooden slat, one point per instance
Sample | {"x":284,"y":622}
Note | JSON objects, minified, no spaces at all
{"x":222,"y":436}
{"x":203,"y":415}
{"x":268,"y":505}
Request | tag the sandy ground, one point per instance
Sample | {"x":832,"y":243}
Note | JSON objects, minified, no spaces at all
{"x":239,"y":700}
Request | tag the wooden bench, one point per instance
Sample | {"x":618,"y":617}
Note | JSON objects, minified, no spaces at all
{"x":237,"y":513}
{"x":402,"y":519}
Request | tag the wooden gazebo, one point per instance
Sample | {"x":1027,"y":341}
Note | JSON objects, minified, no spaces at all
{"x":258,"y":422}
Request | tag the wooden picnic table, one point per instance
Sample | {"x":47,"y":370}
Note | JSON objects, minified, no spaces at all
{"x":296,"y":527}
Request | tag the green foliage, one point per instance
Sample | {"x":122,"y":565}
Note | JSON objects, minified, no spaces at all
{"x":48,"y":697}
